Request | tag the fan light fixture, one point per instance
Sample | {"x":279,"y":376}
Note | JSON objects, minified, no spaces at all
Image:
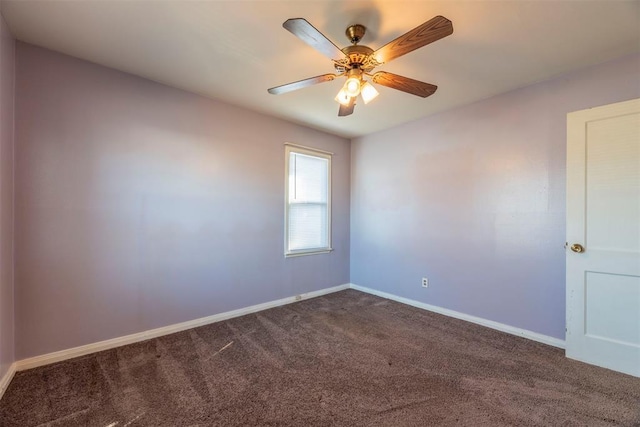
{"x":354,"y":86}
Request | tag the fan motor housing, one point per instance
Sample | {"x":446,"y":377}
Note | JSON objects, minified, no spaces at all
{"x":357,"y":57}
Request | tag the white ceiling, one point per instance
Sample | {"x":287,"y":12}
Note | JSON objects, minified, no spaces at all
{"x":235,"y":50}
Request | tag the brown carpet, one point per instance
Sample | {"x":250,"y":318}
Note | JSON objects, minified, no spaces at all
{"x":347,"y":359}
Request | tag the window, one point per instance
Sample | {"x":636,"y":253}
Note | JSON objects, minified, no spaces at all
{"x":307,"y":201}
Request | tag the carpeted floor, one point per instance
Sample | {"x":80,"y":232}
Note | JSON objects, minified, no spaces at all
{"x":346,"y":359}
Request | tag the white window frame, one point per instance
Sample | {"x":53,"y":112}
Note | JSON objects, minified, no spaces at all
{"x":299,"y":149}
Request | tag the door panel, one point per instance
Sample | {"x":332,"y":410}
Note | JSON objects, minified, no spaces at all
{"x":603,"y":215}
{"x":609,"y":297}
{"x":613,"y":183}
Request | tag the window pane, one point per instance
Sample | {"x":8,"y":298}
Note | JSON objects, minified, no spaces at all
{"x":307,"y":178}
{"x":307,"y":226}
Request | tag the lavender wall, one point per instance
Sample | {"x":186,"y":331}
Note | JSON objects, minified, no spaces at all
{"x":474,"y":199}
{"x":140,"y":206}
{"x":7,"y":62}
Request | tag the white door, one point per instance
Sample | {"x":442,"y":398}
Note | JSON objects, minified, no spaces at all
{"x":603,"y":220}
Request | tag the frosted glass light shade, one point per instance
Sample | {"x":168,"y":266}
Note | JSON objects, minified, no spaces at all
{"x":352,"y":86}
{"x":342,"y":97}
{"x":368,"y":92}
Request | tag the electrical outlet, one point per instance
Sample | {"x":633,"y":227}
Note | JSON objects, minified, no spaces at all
{"x":425,"y":282}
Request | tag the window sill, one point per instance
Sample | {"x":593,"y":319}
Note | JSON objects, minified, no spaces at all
{"x":305,"y":253}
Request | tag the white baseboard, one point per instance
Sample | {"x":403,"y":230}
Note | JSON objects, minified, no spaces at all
{"x":545,"y":339}
{"x":83,"y":350}
{"x":6,"y":378}
{"x":70,"y":353}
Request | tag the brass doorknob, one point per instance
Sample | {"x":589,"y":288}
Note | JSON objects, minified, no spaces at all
{"x":577,"y":247}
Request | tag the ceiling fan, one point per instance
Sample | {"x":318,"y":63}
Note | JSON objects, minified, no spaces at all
{"x":357,"y":61}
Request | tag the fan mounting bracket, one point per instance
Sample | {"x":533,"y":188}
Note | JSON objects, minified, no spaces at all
{"x":355,"y":33}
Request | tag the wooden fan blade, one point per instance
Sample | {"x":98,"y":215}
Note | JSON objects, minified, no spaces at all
{"x":306,"y":32}
{"x":346,"y":110}
{"x":429,"y":32}
{"x":405,"y":84}
{"x":301,"y":84}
